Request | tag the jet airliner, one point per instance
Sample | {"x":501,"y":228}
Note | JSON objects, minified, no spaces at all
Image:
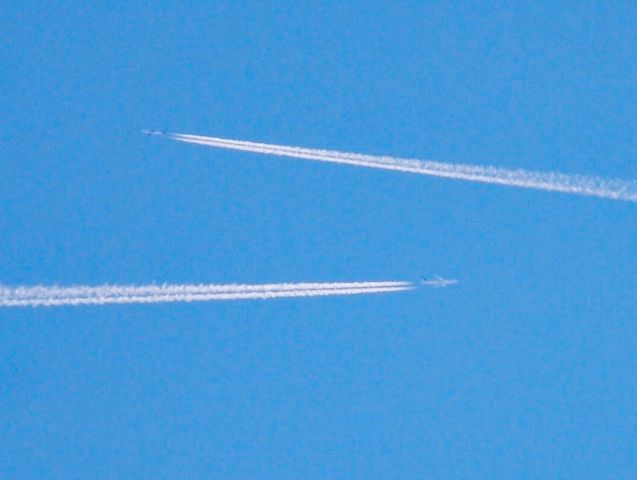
{"x":437,"y":282}
{"x":154,"y":132}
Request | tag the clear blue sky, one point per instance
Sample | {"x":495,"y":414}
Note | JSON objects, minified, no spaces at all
{"x":527,"y":369}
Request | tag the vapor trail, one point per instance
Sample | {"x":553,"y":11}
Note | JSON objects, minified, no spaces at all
{"x":112,"y":294}
{"x":616,"y":189}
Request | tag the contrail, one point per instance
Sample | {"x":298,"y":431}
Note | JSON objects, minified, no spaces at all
{"x":616,"y":189}
{"x":112,"y":294}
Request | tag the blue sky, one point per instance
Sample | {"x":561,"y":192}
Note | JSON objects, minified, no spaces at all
{"x":524,"y":370}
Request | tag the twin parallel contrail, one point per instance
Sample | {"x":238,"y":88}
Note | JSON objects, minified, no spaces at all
{"x":109,"y":294}
{"x":615,"y":189}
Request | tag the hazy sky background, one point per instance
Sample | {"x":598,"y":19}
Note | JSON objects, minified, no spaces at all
{"x":526,"y":369}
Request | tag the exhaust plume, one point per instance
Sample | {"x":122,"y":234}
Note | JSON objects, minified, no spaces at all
{"x":112,"y":294}
{"x":615,"y":189}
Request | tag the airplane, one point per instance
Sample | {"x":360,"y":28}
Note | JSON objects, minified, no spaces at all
{"x":154,"y":132}
{"x":437,"y":282}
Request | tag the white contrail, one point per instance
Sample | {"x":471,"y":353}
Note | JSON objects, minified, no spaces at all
{"x":139,"y":290}
{"x":616,"y":189}
{"x":110,"y":294}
